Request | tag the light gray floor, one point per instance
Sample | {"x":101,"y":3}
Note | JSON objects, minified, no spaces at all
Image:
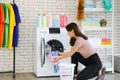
{"x":31,"y":76}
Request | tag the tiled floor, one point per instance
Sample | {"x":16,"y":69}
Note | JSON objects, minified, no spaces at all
{"x":31,"y":76}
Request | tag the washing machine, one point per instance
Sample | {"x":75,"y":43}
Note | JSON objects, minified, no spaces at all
{"x":48,"y":40}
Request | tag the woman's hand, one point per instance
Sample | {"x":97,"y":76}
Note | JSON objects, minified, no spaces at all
{"x":56,"y":59}
{"x":60,"y":53}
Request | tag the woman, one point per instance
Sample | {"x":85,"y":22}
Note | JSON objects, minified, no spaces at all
{"x":83,"y":52}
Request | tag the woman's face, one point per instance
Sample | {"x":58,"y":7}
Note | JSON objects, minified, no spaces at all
{"x":71,"y":33}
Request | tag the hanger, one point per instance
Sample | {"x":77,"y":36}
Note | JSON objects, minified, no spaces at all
{"x":13,"y":1}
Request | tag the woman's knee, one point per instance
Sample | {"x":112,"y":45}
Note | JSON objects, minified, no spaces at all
{"x":99,"y":66}
{"x":81,"y":77}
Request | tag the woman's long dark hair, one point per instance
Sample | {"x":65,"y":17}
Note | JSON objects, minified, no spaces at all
{"x":74,"y":26}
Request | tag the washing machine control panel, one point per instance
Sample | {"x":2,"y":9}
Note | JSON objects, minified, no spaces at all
{"x":54,"y":30}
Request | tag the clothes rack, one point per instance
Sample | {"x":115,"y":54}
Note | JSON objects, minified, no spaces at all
{"x":13,"y":60}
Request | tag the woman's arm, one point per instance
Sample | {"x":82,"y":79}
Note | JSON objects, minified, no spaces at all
{"x":70,"y":53}
{"x":66,"y":54}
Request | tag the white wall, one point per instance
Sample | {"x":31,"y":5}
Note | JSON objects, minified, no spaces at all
{"x":29,"y":10}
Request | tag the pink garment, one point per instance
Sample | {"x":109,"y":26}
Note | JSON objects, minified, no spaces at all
{"x":106,"y":39}
{"x":51,"y":59}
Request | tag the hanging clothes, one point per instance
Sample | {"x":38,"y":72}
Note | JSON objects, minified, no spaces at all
{"x":6,"y":26}
{"x":16,"y":28}
{"x":2,"y":20}
{"x":11,"y":26}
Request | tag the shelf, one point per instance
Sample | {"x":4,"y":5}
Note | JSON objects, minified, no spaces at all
{"x":108,"y":65}
{"x":109,"y":69}
{"x":93,"y":25}
{"x":95,"y":9}
{"x":96,"y":43}
{"x":97,"y":29}
{"x":104,"y":46}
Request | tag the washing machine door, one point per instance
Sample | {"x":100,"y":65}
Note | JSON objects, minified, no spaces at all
{"x":56,"y":45}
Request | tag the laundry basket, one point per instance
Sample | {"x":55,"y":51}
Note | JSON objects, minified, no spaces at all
{"x":66,"y":71}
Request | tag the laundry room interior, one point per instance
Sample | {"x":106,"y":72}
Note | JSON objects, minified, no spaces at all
{"x":34,"y":32}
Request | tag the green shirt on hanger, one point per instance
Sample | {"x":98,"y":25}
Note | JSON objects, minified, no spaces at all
{"x":6,"y":27}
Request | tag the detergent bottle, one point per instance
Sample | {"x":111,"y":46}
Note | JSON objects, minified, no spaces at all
{"x":39,"y":21}
{"x":56,"y":22}
{"x":44,"y":20}
{"x":50,"y":21}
